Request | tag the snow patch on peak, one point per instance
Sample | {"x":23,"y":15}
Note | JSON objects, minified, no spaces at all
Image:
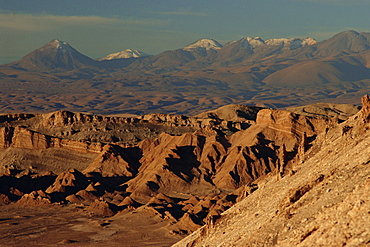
{"x":285,"y":43}
{"x":255,"y":42}
{"x":128,"y":53}
{"x":292,"y":42}
{"x":208,"y":44}
{"x":58,"y":45}
{"x":308,"y":41}
{"x":278,"y":41}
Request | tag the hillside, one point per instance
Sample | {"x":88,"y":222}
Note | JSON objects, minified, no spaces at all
{"x":322,"y":201}
{"x":165,"y":175}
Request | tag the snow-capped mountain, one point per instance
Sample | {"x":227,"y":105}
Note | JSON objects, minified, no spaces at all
{"x":203,"y":53}
{"x":292,"y":43}
{"x":248,"y":42}
{"x":128,"y":53}
{"x":57,"y":45}
{"x":255,"y":42}
{"x":208,"y":44}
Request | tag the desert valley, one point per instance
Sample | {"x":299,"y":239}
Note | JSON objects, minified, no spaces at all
{"x":251,"y":143}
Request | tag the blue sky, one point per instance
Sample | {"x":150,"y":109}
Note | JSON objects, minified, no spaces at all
{"x":97,"y":28}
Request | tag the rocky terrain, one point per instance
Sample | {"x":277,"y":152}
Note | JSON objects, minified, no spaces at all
{"x":140,"y":150}
{"x":322,"y":201}
{"x":89,"y":180}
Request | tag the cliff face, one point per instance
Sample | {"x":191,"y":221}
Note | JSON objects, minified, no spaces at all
{"x":186,"y":171}
{"x":19,"y":137}
{"x":195,"y":162}
{"x":324,"y":201}
{"x":115,"y":161}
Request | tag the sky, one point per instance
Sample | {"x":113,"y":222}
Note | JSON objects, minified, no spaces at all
{"x":100,"y":27}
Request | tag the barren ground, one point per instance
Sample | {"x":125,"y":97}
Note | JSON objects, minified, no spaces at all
{"x":55,"y":225}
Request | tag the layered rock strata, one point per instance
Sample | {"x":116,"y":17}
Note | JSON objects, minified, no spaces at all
{"x":188,"y":172}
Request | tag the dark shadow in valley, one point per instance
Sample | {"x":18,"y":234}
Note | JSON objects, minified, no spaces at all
{"x":184,"y":165}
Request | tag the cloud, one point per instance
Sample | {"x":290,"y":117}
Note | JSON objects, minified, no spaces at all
{"x":91,"y":35}
{"x":183,"y":12}
{"x":41,"y":23}
{"x":339,"y":2}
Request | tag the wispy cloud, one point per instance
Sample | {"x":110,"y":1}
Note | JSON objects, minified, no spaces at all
{"x":339,"y":2}
{"x":40,"y":23}
{"x":184,"y":12}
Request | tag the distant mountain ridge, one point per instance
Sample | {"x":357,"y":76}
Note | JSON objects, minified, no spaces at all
{"x":60,"y":55}
{"x":255,"y":50}
{"x":201,"y":76}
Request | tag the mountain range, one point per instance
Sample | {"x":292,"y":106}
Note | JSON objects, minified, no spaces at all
{"x":144,"y":173}
{"x":201,"y":76}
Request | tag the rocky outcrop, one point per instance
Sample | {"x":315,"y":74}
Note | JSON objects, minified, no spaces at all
{"x":170,"y":164}
{"x":288,"y":128}
{"x":234,"y":113}
{"x":82,"y":196}
{"x":113,"y":162}
{"x":23,"y":138}
{"x":243,"y":165}
{"x":66,"y":118}
{"x":6,"y":135}
{"x":365,"y":111}
{"x":7,"y":118}
{"x":187,"y":171}
{"x":67,"y":183}
{"x":19,"y":137}
{"x":277,"y":140}
{"x":35,"y":198}
{"x":204,"y":121}
{"x":327,"y":110}
{"x":101,"y":208}
{"x":323,"y":202}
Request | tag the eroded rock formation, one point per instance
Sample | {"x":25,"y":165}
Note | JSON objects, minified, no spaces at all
{"x":184,"y":170}
{"x":324,"y":201}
